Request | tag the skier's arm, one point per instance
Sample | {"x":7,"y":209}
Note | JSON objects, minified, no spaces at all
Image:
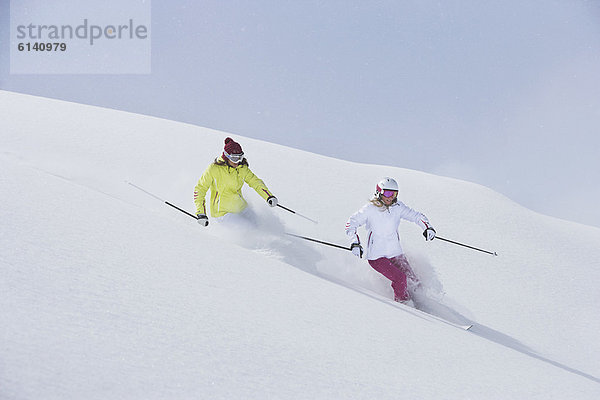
{"x":419,"y":219}
{"x":423,"y":222}
{"x":201,"y":189}
{"x":257,"y":184}
{"x":357,"y":219}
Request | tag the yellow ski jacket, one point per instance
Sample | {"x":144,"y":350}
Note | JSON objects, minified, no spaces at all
{"x":225,"y":184}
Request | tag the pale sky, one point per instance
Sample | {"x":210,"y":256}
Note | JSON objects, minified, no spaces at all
{"x":505,"y":94}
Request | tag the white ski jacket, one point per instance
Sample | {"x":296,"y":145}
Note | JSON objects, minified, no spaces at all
{"x":383,"y":239}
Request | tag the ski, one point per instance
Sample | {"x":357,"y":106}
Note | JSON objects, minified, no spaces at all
{"x":407,"y":308}
{"x":427,"y":315}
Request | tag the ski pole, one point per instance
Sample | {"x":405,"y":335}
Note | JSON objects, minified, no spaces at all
{"x":319,"y":241}
{"x":464,"y":245}
{"x":298,"y":214}
{"x":164,"y":201}
{"x":183,"y":211}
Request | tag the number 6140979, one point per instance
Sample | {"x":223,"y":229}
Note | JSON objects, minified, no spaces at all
{"x":42,"y":46}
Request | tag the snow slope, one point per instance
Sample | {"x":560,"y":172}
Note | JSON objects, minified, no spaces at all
{"x":105,"y":292}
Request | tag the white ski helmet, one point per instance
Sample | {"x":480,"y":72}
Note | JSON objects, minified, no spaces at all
{"x":386,"y":184}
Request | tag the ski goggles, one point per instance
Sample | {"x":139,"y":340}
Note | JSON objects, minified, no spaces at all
{"x":235,"y":158}
{"x":389,"y":193}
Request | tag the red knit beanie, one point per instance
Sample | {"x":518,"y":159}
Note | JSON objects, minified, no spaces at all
{"x":232,"y":147}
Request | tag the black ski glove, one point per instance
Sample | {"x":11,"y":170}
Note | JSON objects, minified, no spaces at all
{"x":202,"y":219}
{"x":429,"y":234}
{"x":357,"y":249}
{"x":272,"y":201}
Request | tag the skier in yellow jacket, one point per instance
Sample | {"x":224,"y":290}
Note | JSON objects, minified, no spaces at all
{"x":225,"y":178}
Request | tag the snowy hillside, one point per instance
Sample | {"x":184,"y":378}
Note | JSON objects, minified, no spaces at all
{"x":107,"y":293}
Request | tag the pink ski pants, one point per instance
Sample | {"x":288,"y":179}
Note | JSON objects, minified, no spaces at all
{"x":397,"y":270}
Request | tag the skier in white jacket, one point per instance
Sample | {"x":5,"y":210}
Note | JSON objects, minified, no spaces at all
{"x":381,"y":217}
